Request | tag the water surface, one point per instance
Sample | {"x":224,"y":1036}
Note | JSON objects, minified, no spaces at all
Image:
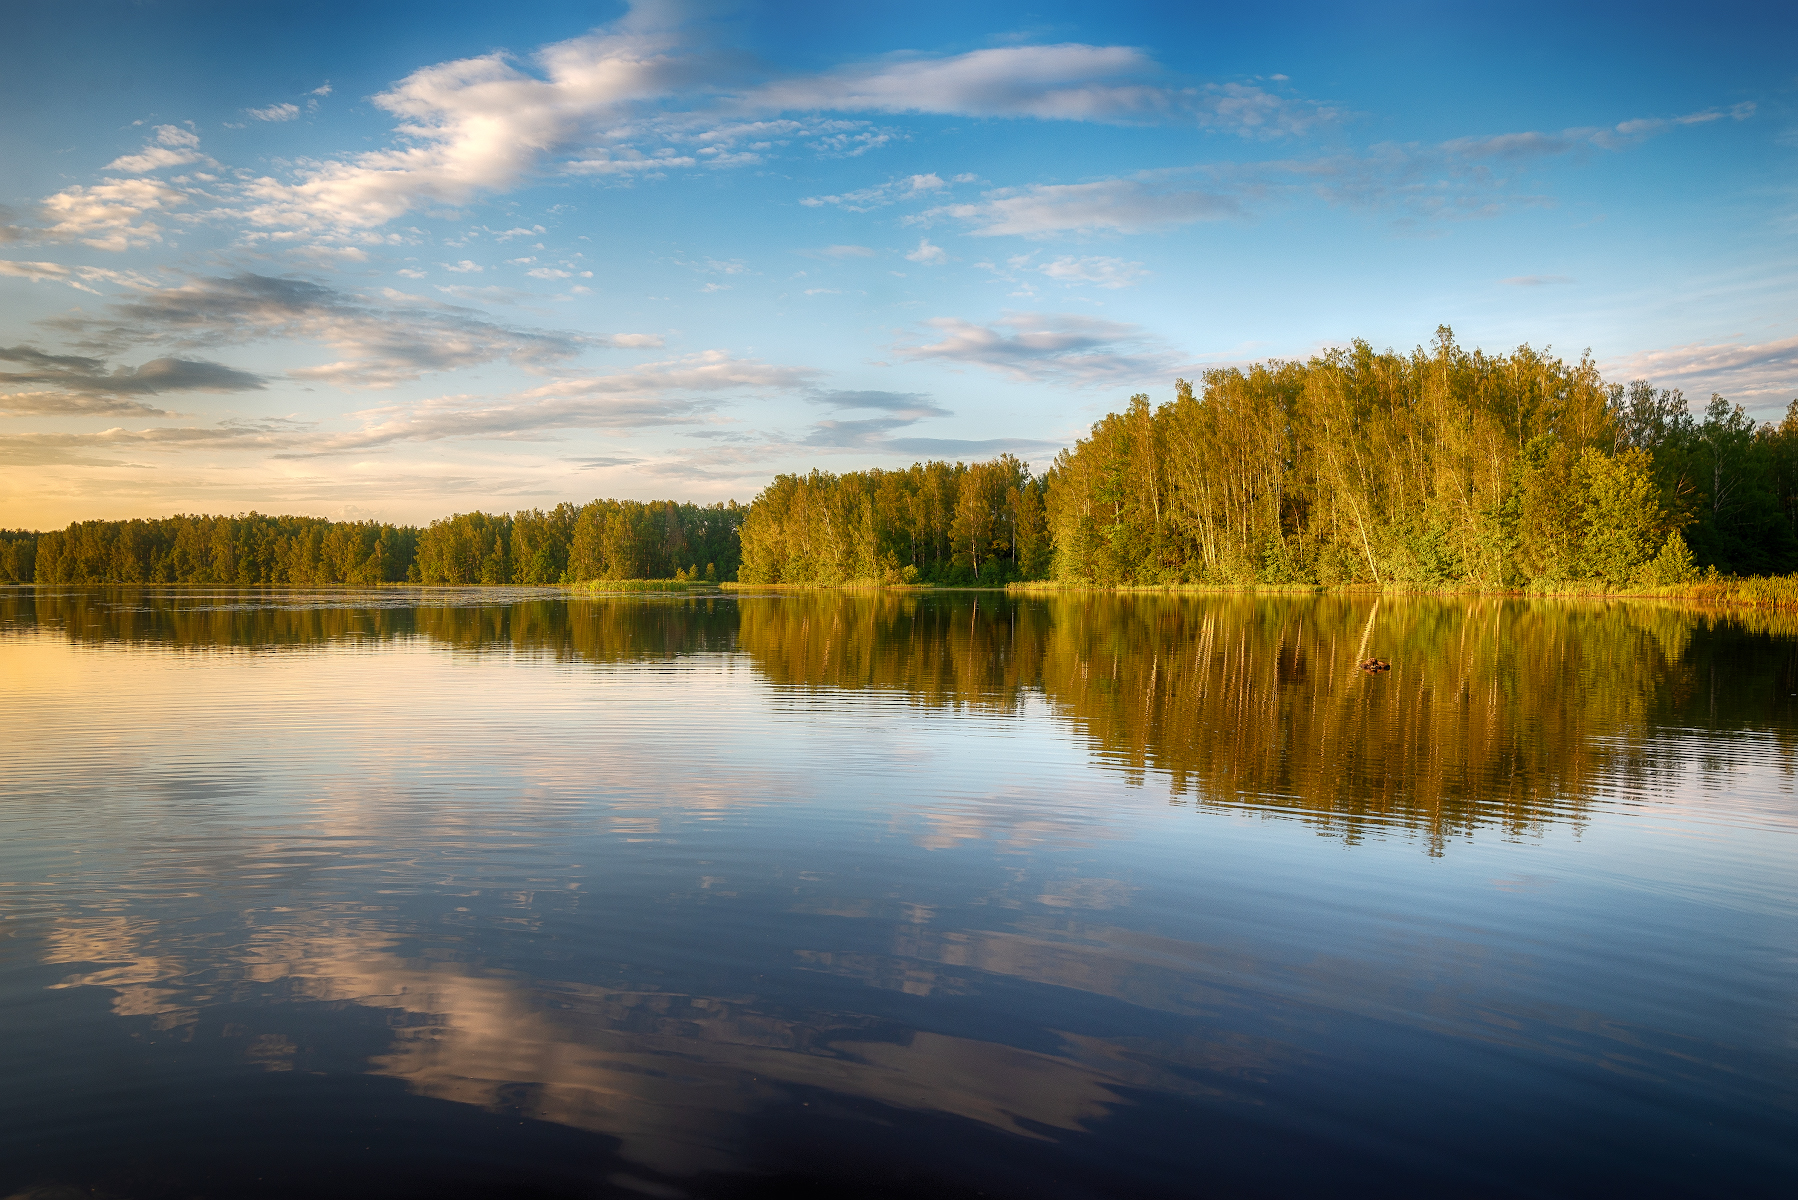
{"x":494,"y":892}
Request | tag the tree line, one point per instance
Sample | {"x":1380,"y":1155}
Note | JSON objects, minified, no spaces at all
{"x":933,"y":522}
{"x":1443,"y":466}
{"x":604,"y":539}
{"x":248,"y":550}
{"x":1440,"y":467}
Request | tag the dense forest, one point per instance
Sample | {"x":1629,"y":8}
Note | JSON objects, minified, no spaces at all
{"x":606,"y":539}
{"x":1442,"y":467}
{"x":931,"y":523}
{"x":250,"y":549}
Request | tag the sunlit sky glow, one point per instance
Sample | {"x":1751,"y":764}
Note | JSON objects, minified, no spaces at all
{"x":401,"y":260}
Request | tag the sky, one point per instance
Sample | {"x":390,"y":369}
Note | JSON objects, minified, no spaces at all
{"x":401,"y":260}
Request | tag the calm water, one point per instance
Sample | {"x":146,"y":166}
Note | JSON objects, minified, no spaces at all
{"x":497,"y":893}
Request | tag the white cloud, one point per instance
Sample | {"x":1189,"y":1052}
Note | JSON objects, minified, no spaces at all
{"x":274,"y":112}
{"x":1065,"y":348}
{"x":36,"y":272}
{"x":928,"y":253}
{"x":76,"y":277}
{"x":1111,"y":84}
{"x":1112,"y":206}
{"x":322,"y":252}
{"x":462,"y":268}
{"x":110,"y":215}
{"x":839,"y":252}
{"x":171,"y":147}
{"x":643,"y":97}
{"x":1536,"y":280}
{"x":549,"y":273}
{"x":482,"y":125}
{"x":626,"y":161}
{"x":1105,"y":272}
{"x":909,"y":187}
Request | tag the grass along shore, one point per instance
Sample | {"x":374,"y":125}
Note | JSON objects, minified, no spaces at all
{"x":612,"y":587}
{"x":1773,"y":591}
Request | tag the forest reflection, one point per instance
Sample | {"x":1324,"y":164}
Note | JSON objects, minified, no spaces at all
{"x":1498,"y":713}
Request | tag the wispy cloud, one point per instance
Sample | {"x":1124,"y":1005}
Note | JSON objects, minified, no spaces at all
{"x":867,"y":199}
{"x":675,"y":392}
{"x":102,"y":448}
{"x":876,"y":434}
{"x":1110,"y":206}
{"x":76,"y":385}
{"x":839,"y":252}
{"x":79,"y":277}
{"x":1752,"y":372}
{"x":1064,"y":348}
{"x":1071,"y":82}
{"x":1536,"y":280}
{"x":915,"y":405}
{"x":1096,"y":269}
{"x":646,"y":96}
{"x":1459,"y":179}
{"x":171,"y":147}
{"x":385,"y":339}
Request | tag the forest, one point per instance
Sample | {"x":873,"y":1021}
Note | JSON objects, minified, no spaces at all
{"x":605,"y":539}
{"x":1444,"y":467}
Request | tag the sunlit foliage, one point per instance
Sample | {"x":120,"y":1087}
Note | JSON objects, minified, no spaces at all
{"x":18,"y":555}
{"x":1441,"y":467}
{"x":247,"y":550}
{"x":934,"y":522}
{"x":605,"y":539}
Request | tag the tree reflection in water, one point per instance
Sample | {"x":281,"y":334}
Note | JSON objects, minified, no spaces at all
{"x":1500,"y":713}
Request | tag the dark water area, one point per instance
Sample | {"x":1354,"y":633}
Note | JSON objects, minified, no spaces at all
{"x":501,"y":893}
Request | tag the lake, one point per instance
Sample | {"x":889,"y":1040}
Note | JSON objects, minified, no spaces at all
{"x":497,"y":892}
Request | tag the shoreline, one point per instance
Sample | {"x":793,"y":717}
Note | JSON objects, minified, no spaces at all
{"x":1763,"y":592}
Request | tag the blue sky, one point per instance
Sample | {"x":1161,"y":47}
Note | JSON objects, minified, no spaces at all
{"x":404,"y":260}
